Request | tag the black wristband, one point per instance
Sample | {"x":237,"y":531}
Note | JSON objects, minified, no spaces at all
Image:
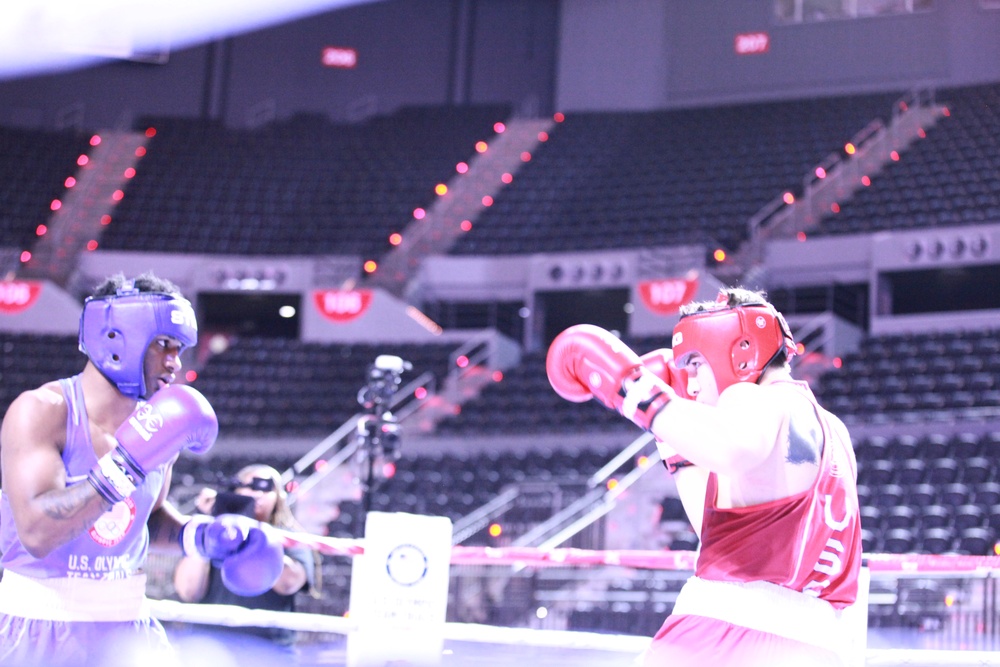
{"x":675,"y":463}
{"x":103,"y":490}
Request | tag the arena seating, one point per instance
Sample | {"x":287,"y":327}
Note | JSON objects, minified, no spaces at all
{"x":525,"y":403}
{"x":937,"y":502}
{"x":29,"y":360}
{"x":631,"y":179}
{"x":908,"y":483}
{"x":949,"y":178}
{"x":34,"y":166}
{"x":446,"y":484}
{"x":270,"y":386}
{"x":263,"y":386}
{"x":302,"y":186}
{"x":890,"y":376}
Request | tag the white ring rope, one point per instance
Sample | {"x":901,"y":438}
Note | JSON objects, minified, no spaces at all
{"x":215,"y":614}
{"x":233,"y":616}
{"x":241,"y":617}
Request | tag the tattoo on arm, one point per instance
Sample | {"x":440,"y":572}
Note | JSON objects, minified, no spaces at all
{"x":73,"y":505}
{"x":805,"y":439}
{"x":163,"y":529}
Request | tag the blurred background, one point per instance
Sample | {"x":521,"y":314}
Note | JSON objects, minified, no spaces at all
{"x":453,"y":183}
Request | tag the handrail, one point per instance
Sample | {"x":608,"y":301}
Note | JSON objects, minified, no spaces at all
{"x":599,"y":477}
{"x":342,"y":455}
{"x":607,"y":503}
{"x":477,"y":350}
{"x":756,"y":222}
{"x":557,"y":519}
{"x":597,"y":496}
{"x":806,"y":330}
{"x":484,"y":348}
{"x":467,"y":526}
{"x":835,"y":169}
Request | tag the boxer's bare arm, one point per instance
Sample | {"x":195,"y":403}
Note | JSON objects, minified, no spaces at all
{"x":191,"y":578}
{"x":763,"y":441}
{"x":166,"y":521}
{"x":691,"y":485}
{"x":47,"y":513}
{"x":730,"y":438}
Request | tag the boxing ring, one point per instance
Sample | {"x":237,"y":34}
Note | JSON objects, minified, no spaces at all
{"x":969,"y":633}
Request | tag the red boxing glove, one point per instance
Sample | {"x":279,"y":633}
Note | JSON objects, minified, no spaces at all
{"x":176,"y":417}
{"x":661,"y":362}
{"x":586,"y":361}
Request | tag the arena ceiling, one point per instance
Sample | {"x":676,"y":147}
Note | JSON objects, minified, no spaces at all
{"x":45,"y":36}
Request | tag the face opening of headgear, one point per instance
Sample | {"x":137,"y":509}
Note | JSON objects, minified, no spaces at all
{"x":116,"y":330}
{"x":738,"y":341}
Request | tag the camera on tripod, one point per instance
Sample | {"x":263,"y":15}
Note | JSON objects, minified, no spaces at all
{"x":380,"y":436}
{"x":384,"y":378}
{"x":378,"y":431}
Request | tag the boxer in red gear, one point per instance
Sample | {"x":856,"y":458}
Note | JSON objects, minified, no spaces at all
{"x":773,"y":475}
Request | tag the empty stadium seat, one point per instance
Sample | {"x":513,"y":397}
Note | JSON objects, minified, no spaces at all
{"x":900,"y":516}
{"x":976,"y":541}
{"x":899,"y":541}
{"x":968,"y":516}
{"x":937,"y":540}
{"x":934,"y":516}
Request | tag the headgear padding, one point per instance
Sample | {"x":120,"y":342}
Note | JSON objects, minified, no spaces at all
{"x":738,"y":342}
{"x":116,"y":330}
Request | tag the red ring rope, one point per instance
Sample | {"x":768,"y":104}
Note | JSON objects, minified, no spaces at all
{"x":637,"y":558}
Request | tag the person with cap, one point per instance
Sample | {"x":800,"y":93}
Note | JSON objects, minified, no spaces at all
{"x":767,"y":476}
{"x":86,"y":464}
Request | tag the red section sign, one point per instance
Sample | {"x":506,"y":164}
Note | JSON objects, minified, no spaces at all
{"x":749,"y":43}
{"x":18,"y":295}
{"x":665,"y":296}
{"x":342,"y":305}
{"x":340,"y":57}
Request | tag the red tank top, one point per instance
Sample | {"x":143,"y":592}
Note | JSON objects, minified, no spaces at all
{"x":809,"y":542}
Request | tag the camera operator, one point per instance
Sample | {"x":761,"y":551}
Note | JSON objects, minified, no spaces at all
{"x":255,"y":492}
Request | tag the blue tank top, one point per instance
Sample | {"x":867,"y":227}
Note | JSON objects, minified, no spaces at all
{"x":115,"y":546}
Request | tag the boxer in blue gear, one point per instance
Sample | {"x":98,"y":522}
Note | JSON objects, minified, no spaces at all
{"x":86,"y":465}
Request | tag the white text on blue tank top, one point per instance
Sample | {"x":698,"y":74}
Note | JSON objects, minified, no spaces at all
{"x":830,"y":562}
{"x":84,"y":566}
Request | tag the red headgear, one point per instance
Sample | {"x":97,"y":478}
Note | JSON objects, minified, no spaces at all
{"x":737,"y":341}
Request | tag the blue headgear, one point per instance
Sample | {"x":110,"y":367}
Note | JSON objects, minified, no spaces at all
{"x":116,"y":330}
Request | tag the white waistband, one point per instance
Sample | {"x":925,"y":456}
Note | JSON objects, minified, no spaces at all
{"x":74,"y":599}
{"x":767,"y":607}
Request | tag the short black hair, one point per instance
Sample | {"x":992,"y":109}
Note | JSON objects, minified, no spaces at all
{"x":146,"y":282}
{"x":729,"y":297}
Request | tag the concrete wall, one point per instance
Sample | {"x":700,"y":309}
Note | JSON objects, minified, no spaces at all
{"x":629,"y":54}
{"x":536,"y":55}
{"x":409,"y":52}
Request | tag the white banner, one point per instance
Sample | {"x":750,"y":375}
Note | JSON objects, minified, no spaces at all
{"x":399,"y":590}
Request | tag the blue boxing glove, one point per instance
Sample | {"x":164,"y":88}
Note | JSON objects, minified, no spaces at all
{"x":248,"y":552}
{"x":175,"y":418}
